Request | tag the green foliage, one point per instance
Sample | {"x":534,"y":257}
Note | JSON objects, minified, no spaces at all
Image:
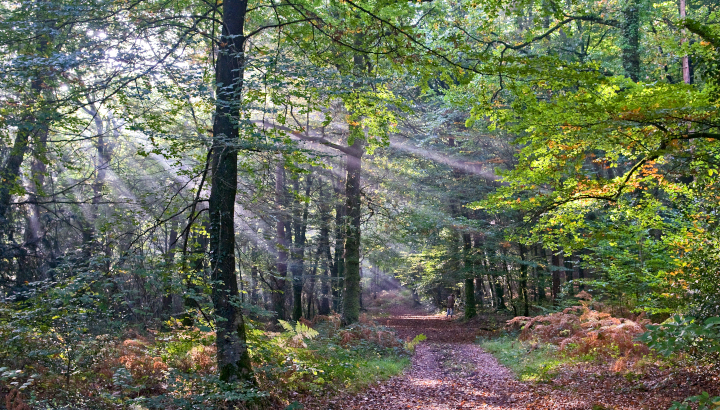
{"x":410,"y":346}
{"x":300,"y":330}
{"x":704,"y":402}
{"x":684,"y":334}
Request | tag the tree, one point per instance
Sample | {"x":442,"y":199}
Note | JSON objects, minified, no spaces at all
{"x":233,"y":357}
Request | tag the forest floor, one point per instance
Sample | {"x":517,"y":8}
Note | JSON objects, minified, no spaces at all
{"x":451,"y":371}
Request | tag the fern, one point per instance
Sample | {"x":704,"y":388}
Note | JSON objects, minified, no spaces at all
{"x":300,"y":330}
{"x":416,"y":340}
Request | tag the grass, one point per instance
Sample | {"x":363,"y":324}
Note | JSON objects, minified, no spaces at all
{"x":355,"y":368}
{"x":370,"y":371}
{"x":529,"y":361}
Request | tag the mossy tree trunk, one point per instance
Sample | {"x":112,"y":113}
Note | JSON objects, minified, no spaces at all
{"x":232,"y":352}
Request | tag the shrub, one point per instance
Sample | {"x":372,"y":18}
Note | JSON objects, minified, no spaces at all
{"x":685,"y":334}
{"x":581,"y":330}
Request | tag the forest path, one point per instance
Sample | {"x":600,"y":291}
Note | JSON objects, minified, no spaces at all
{"x":448,"y":371}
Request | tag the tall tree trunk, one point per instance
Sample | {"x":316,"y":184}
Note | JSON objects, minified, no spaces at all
{"x":508,"y":281}
{"x":171,"y":300}
{"x":581,"y":271}
{"x":254,"y":276}
{"x":311,"y":287}
{"x":499,"y":292}
{"x":486,"y":267}
{"x":556,"y":268}
{"x":324,"y":251}
{"x":479,"y":285}
{"x":569,"y":269}
{"x":352,"y":291}
{"x":523,"y":280}
{"x":232,"y":353}
{"x":281,"y":245}
{"x":540,"y":274}
{"x":33,"y":125}
{"x":297,"y":266}
{"x":631,"y":39}
{"x":470,"y":311}
{"x":38,"y":170}
{"x":685,"y":59}
{"x":339,"y":258}
{"x":480,"y":291}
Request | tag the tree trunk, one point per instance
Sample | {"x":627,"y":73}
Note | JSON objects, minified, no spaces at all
{"x":555,"y":267}
{"x":325,"y":257}
{"x":339,"y":258}
{"x":351,"y":294}
{"x":631,"y":40}
{"x":523,"y":280}
{"x":500,"y":293}
{"x":254,"y":277}
{"x":311,"y":288}
{"x":480,"y":291}
{"x":34,"y":125}
{"x":470,"y":311}
{"x":581,"y":271}
{"x":508,"y":281}
{"x":685,"y":59}
{"x":569,"y":269}
{"x":540,"y":274}
{"x":281,"y":245}
{"x":297,"y":264}
{"x":232,"y":353}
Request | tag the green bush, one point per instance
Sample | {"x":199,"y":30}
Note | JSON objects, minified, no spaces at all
{"x":704,"y":402}
{"x":685,"y":334}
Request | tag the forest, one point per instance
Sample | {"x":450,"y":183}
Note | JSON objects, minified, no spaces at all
{"x":233,"y":204}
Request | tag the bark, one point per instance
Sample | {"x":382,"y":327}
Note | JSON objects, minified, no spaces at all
{"x":480,"y":291}
{"x":254,"y":277}
{"x":631,"y":40}
{"x":523,"y":281}
{"x":33,"y":126}
{"x":470,"y":310}
{"x":479,"y":284}
{"x":352,"y":291}
{"x":581,"y":272}
{"x":486,"y":267}
{"x":297,"y":264}
{"x":38,"y":170}
{"x":540,"y":275}
{"x":311,"y":288}
{"x":325,"y":257}
{"x":171,"y":299}
{"x":569,"y":269}
{"x":281,"y":245}
{"x":500,"y":293}
{"x":556,"y":267}
{"x":232,"y":352}
{"x":339,"y":258}
{"x":509,"y":283}
{"x":685,"y":59}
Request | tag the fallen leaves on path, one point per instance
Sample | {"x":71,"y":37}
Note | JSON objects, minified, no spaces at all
{"x":450,"y":372}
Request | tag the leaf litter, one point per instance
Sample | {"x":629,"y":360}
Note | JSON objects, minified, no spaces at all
{"x":449,"y":371}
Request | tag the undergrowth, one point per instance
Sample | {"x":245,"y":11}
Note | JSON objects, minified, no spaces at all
{"x":528,"y":361}
{"x":176,"y":368}
{"x":542,"y":344}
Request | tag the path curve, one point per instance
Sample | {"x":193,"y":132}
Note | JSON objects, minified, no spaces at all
{"x":448,"y":372}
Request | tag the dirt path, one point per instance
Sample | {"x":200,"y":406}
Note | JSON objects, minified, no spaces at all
{"x":450,"y":371}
